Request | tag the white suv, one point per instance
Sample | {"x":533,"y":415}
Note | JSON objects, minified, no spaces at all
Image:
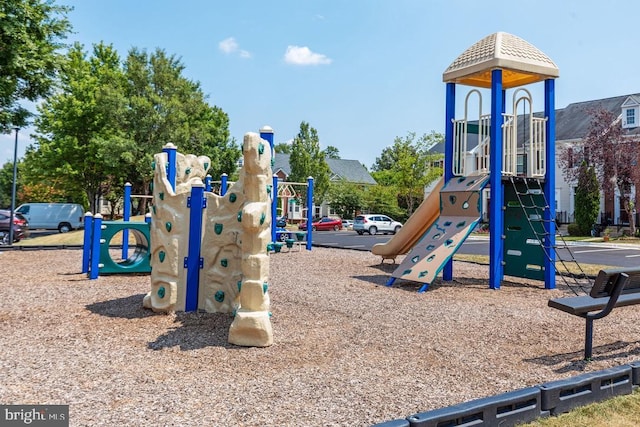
{"x":374,"y":223}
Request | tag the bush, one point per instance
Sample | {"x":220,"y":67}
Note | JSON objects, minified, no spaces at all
{"x":574,"y":229}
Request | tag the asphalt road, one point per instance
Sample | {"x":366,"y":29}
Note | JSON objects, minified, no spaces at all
{"x":615,"y":255}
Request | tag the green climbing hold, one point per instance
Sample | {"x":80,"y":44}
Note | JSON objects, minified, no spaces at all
{"x":219,"y":296}
{"x":261,"y":148}
{"x":270,"y":314}
{"x":239,"y":216}
{"x":263,"y":216}
{"x":161,"y":195}
{"x":217,"y":228}
{"x":153,"y":208}
{"x":233,"y":197}
{"x":206,"y":165}
{"x":269,"y":188}
{"x":224,"y":262}
{"x":168,"y":226}
{"x":406,"y":272}
{"x":422,"y":274}
{"x":162,"y":255}
{"x":187,"y":171}
{"x":161,"y":292}
{"x":273,"y":162}
{"x":265,"y":287}
{"x":239,"y":285}
{"x":461,"y":224}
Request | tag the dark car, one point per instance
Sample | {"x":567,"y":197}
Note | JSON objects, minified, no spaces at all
{"x":20,"y":226}
{"x":324,"y":223}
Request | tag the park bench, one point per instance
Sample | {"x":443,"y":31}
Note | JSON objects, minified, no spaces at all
{"x":612,"y":288}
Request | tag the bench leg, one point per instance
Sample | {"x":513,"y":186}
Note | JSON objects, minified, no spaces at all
{"x":588,"y":339}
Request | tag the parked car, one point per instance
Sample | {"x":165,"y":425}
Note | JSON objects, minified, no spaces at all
{"x":63,"y":217}
{"x":20,"y":226}
{"x":347,"y":224}
{"x":324,"y":223}
{"x":375,"y":223}
{"x":281,"y":221}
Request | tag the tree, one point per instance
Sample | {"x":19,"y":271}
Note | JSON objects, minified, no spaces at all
{"x":331,"y":152}
{"x":282,"y":148}
{"x":408,"y":166}
{"x":308,"y":160}
{"x":612,"y":154}
{"x":346,"y":198}
{"x":587,"y":199}
{"x":31,"y":32}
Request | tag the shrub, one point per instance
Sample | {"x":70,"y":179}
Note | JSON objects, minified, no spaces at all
{"x":574,"y":229}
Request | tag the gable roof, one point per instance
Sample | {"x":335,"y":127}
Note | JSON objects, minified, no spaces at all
{"x":349,"y":170}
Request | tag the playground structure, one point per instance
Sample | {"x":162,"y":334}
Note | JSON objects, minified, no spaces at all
{"x":513,"y":156}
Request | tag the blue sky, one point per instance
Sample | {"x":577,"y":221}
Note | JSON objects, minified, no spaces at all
{"x":360,"y":72}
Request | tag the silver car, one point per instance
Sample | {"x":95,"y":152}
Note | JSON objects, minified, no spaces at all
{"x":375,"y":223}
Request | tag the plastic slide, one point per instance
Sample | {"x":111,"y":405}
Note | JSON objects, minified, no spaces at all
{"x":415,"y":227}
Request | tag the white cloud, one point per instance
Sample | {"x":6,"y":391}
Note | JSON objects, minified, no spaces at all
{"x":304,"y":56}
{"x":231,"y":46}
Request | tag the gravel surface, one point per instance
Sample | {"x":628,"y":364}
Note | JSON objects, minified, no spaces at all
{"x":348,"y":351}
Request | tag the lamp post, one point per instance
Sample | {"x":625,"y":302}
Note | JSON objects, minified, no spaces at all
{"x":13,"y":188}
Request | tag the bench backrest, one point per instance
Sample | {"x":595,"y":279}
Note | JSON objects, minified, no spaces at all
{"x":606,"y":280}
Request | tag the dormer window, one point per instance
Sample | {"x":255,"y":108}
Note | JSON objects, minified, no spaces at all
{"x":630,"y":111}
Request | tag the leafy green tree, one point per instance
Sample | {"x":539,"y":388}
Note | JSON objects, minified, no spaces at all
{"x":331,"y":152}
{"x":164,"y":106}
{"x":346,"y":198}
{"x":308,"y":160}
{"x":282,"y":148}
{"x":78,"y":130}
{"x":31,"y":32}
{"x":383,"y":199}
{"x":408,"y":166}
{"x":587,"y":199}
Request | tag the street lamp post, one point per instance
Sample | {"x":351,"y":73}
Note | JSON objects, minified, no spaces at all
{"x":13,"y":188}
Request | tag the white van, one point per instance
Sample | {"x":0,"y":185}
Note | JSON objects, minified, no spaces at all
{"x":63,"y":217}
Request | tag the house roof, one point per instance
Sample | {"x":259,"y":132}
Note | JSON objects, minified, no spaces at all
{"x":521,"y":62}
{"x":349,"y":170}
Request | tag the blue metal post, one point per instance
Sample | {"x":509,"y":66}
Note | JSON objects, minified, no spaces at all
{"x":223,"y":184}
{"x":450,"y":113}
{"x":171,"y":151}
{"x":266,"y":133}
{"x":193,"y":262}
{"x":207,"y":183}
{"x":86,"y":243}
{"x":496,"y":218}
{"x":309,"y":211}
{"x":96,"y":236}
{"x":550,"y":183}
{"x":126,"y":216}
{"x":274,"y":207}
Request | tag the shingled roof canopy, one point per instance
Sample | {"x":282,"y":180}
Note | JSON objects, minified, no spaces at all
{"x":521,"y":62}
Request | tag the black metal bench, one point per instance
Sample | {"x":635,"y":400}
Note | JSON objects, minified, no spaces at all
{"x":612,"y":288}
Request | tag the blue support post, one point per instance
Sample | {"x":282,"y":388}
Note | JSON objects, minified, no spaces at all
{"x":224,"y":178}
{"x":147,"y":218}
{"x":207,"y":183}
{"x":126,"y":216}
{"x":193,"y":263}
{"x":309,"y":211}
{"x":496,"y":218}
{"x":274,"y":207}
{"x":96,"y":236}
{"x":86,"y":243}
{"x":550,"y":183}
{"x":450,"y":112}
{"x":171,"y":151}
{"x":266,"y":133}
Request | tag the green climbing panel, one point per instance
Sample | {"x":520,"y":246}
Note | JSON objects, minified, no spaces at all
{"x":137,"y":261}
{"x":524,"y":254}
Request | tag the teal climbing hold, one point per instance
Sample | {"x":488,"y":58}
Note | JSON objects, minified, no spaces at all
{"x":239,"y":285}
{"x":217,"y":228}
{"x":430,"y":247}
{"x":239,"y":216}
{"x":219,"y":296}
{"x":168,"y":226}
{"x":233,"y":197}
{"x":151,"y":186}
{"x":415,"y":259}
{"x":161,"y":195}
{"x":187,"y":171}
{"x":431,"y":257}
{"x":404,"y":273}
{"x":461,"y":224}
{"x":162,"y":255}
{"x":263,"y":216}
{"x":452,"y":199}
{"x":461,"y":179}
{"x":206,"y":165}
{"x":153,"y":165}
{"x":153,"y":208}
{"x":446,"y":224}
{"x":161,"y":292}
{"x":269,"y":188}
{"x":261,"y":148}
{"x":449,"y":242}
{"x":423,"y":273}
{"x":224,"y":262}
{"x":265,"y":287}
{"x":436,"y":236}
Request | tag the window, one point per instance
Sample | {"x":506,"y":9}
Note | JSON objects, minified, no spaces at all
{"x":630,"y":120}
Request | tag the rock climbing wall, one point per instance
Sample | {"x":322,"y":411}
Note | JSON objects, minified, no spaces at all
{"x":235,"y":234}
